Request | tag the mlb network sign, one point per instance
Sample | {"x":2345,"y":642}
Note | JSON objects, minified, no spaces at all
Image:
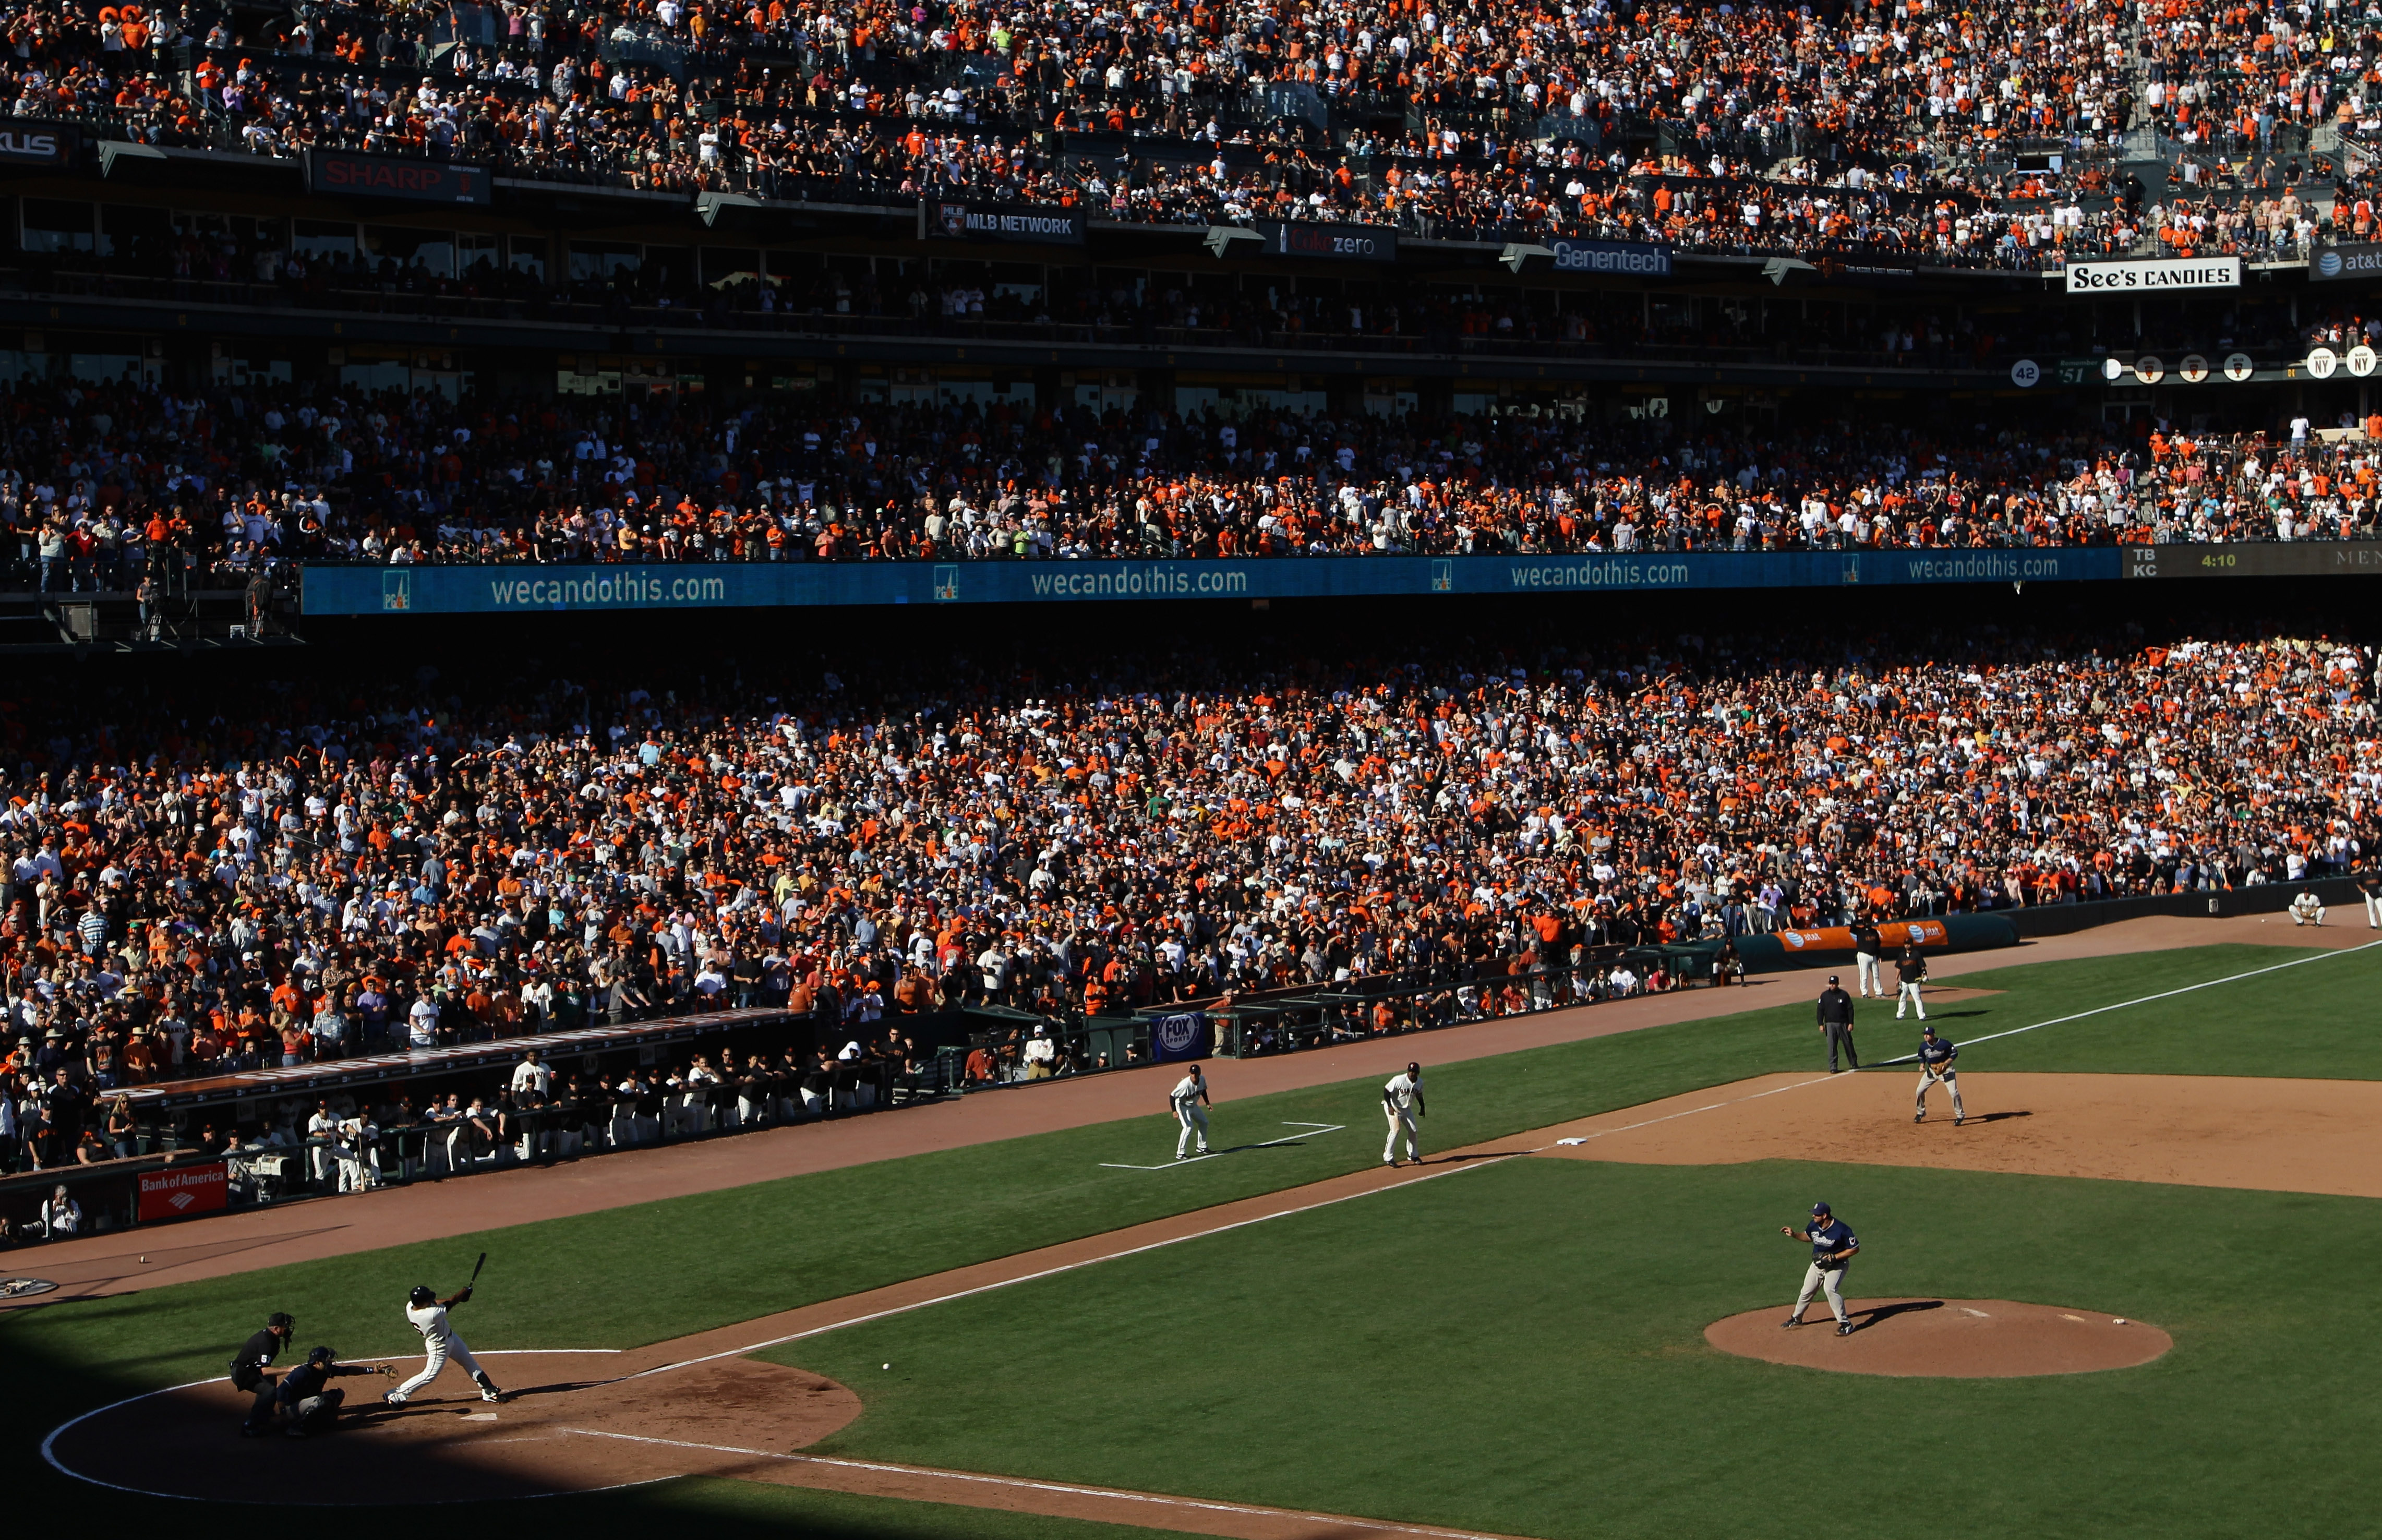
{"x":181,"y":1190}
{"x":2154,"y":276}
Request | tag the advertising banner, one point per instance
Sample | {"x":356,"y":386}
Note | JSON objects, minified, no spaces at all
{"x":1628,"y":258}
{"x":2154,"y":275}
{"x":181,"y":1190}
{"x":1839,"y":938}
{"x":1036,"y":224}
{"x":1186,"y":1036}
{"x":1331,"y":243}
{"x":468,"y":590}
{"x":338,"y":172}
{"x":26,"y":145}
{"x":2333,"y":264}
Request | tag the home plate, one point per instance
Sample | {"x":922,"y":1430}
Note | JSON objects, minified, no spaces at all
{"x":479,"y":1417}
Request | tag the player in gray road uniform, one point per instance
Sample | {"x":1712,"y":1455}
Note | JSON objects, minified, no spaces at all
{"x":1935,"y":1057}
{"x":1833,"y":1245}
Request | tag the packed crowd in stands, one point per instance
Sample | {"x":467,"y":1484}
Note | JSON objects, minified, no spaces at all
{"x":104,"y":487}
{"x":1878,"y":129}
{"x":199,"y":882}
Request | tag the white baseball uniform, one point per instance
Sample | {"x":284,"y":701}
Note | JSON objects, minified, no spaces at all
{"x":438,"y":1335}
{"x":1190,"y":1115}
{"x":1398,"y":1099}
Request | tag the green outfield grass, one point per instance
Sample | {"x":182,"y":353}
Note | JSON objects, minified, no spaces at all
{"x":1518,"y":1348}
{"x":628,"y":1276}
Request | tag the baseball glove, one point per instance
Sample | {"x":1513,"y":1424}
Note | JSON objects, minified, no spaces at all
{"x":386,"y":1370}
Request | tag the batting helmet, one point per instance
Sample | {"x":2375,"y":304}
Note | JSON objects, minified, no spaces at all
{"x":423,"y":1295}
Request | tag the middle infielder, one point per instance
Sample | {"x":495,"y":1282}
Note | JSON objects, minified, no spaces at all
{"x":1935,"y":1057}
{"x":1402,"y":1100}
{"x":1186,"y":1098}
{"x":426,"y":1313}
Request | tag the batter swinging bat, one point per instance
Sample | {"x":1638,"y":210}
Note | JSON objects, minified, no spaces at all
{"x":475,"y":1270}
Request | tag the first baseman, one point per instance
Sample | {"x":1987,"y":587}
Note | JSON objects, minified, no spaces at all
{"x":1833,"y":1245}
{"x":1402,"y":1100}
{"x":1935,"y":1057}
{"x":426,"y":1313}
{"x":1186,"y":1098}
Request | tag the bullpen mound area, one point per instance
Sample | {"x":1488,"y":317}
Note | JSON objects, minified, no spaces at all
{"x":1944,"y":1339}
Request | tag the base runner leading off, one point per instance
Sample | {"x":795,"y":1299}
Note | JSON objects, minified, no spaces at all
{"x":426,"y":1313}
{"x":1402,"y":1100}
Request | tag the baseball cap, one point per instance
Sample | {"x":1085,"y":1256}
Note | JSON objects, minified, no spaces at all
{"x":1820,"y":1208}
{"x":1832,"y":978}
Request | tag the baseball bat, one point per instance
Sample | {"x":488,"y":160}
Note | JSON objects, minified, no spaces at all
{"x":475,"y":1270}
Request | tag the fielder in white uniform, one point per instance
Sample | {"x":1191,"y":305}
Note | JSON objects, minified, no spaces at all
{"x":1402,"y":1100}
{"x":426,"y":1313}
{"x":1186,"y":1098}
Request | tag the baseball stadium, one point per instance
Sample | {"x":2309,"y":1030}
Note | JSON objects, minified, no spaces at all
{"x":745,"y":746}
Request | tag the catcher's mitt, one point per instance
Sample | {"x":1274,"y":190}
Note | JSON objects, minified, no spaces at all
{"x":386,"y":1370}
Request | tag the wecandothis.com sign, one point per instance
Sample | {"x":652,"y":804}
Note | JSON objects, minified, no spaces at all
{"x":2154,"y":275}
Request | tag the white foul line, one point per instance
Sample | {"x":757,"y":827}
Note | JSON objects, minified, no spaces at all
{"x":1212,"y":1155}
{"x":2163,"y":994}
{"x":1913,"y":1058}
{"x":1714,"y":1106}
{"x":1374,"y":1525}
{"x":1054,"y":1272}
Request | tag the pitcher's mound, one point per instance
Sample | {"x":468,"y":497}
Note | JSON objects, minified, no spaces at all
{"x":1951,"y":1339}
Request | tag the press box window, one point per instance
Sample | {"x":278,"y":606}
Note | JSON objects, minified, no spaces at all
{"x":50,"y":225}
{"x":323,"y":237}
{"x":432,"y":251}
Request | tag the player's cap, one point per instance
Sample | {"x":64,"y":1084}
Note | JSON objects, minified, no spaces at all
{"x":1832,"y":978}
{"x":1927,"y":1029}
{"x":1414,"y":1068}
{"x":1820,"y":1208}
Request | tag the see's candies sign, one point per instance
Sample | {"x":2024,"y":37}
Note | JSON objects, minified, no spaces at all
{"x":181,"y":1190}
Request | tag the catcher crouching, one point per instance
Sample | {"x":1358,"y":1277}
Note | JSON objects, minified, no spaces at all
{"x":306,"y":1403}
